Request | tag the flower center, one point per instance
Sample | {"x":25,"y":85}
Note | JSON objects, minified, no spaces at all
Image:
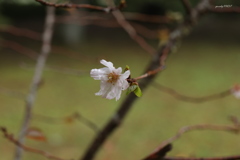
{"x":112,"y":78}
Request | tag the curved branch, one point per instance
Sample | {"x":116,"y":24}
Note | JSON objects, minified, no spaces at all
{"x":26,"y":148}
{"x":181,"y":97}
{"x":228,"y":128}
{"x":88,"y":6}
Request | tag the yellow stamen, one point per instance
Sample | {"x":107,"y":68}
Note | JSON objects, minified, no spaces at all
{"x":112,"y":78}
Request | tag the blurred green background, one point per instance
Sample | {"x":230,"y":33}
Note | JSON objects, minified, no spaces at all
{"x":206,"y":62}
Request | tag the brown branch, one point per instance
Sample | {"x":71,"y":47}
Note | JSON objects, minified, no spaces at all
{"x":181,"y":97}
{"x":88,"y":6}
{"x":159,"y":154}
{"x":19,"y":48}
{"x":227,"y":128}
{"x":45,"y":50}
{"x":127,"y":104}
{"x":161,"y":67}
{"x":23,"y":32}
{"x":130,"y":30}
{"x":26,"y":148}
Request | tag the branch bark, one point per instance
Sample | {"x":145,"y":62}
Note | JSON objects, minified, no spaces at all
{"x":45,"y":50}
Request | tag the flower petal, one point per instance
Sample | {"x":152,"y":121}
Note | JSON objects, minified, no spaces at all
{"x":100,"y":74}
{"x":125,"y":85}
{"x":105,"y":88}
{"x":118,"y":70}
{"x":107,"y":64}
{"x":118,"y":94}
{"x":126,"y":74}
{"x":114,"y":93}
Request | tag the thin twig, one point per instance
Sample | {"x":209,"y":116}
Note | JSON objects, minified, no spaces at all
{"x":26,"y":148}
{"x":181,"y":97}
{"x":227,"y":128}
{"x":88,"y":6}
{"x":45,"y":50}
{"x":131,"y":31}
{"x":23,"y":32}
{"x":166,"y":50}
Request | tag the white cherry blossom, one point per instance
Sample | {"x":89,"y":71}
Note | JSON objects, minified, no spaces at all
{"x":113,"y":82}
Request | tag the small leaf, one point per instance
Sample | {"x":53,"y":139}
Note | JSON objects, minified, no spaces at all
{"x":138,"y":91}
{"x":131,"y":89}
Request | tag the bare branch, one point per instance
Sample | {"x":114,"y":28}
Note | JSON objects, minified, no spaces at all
{"x":162,"y":59}
{"x":88,"y":6}
{"x":23,"y":32}
{"x":159,"y":154}
{"x":181,"y":97}
{"x":26,"y":148}
{"x":47,"y":36}
{"x":227,"y":128}
{"x":132,"y":32}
